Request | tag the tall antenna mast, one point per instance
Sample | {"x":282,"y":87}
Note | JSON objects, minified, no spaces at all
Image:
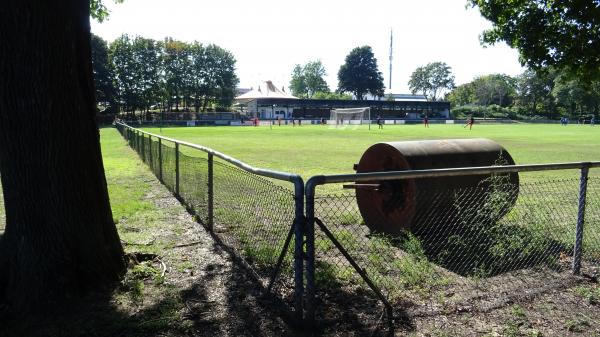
{"x":391,"y":55}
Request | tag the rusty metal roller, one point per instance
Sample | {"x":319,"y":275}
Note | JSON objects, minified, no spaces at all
{"x":391,"y":206}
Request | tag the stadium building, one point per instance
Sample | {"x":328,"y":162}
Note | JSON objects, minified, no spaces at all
{"x":269,"y":102}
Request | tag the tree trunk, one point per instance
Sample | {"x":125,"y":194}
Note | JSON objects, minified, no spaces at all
{"x":60,"y":239}
{"x":205,"y":104}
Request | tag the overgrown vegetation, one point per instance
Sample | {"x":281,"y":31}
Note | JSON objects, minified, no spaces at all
{"x":475,"y":241}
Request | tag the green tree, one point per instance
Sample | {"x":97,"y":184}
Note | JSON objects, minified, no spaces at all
{"x":146,"y":71}
{"x":534,"y":92}
{"x":298,"y":85}
{"x":308,"y":79}
{"x":176,"y":63}
{"x":199,"y":88}
{"x":496,"y":89}
{"x":575,"y":98}
{"x":60,"y":239}
{"x":360,"y":75}
{"x":432,"y":80}
{"x":331,"y":95}
{"x":463,"y":94}
{"x":562,"y":34}
{"x":126,"y":81}
{"x":219,"y":77}
{"x":103,"y":77}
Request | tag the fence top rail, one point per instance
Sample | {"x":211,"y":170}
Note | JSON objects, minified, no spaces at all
{"x":295,"y":178}
{"x":395,"y":175}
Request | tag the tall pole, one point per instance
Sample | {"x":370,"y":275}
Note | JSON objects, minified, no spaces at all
{"x":391,"y":56}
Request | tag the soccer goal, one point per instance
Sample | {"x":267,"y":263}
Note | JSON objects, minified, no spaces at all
{"x":350,"y":116}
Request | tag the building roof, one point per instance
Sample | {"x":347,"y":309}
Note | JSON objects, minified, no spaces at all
{"x":408,"y":97}
{"x":266,"y":90}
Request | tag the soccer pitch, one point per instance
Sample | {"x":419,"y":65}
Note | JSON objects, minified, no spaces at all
{"x":315,"y":149}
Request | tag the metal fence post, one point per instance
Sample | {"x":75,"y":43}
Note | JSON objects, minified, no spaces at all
{"x":177,"y":169}
{"x":143,"y":148}
{"x":299,"y":226}
{"x":160,"y":171}
{"x":311,"y":185}
{"x":580,"y":220}
{"x":150,"y":161}
{"x":210,"y":192}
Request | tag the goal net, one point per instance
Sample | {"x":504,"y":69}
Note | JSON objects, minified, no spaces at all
{"x":350,"y":116}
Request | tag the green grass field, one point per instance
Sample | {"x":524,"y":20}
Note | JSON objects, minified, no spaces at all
{"x":312,"y":150}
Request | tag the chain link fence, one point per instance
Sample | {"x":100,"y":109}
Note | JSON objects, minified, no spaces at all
{"x":251,"y":215}
{"x":465,"y":249}
{"x":458,"y":249}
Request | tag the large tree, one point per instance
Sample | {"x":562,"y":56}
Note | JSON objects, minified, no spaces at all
{"x":307,"y":80}
{"x":60,"y":239}
{"x":432,"y":80}
{"x":463,"y":94}
{"x":574,"y":98}
{"x":126,"y":79}
{"x":563,"y":34}
{"x":360,"y":75}
{"x":147,"y":68}
{"x":534,"y":92}
{"x":496,"y":89}
{"x":103,"y":76}
{"x":176,"y":65}
{"x":219,"y":76}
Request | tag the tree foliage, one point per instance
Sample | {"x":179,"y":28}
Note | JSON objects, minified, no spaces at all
{"x":331,"y":95}
{"x":103,"y":76}
{"x":574,"y":98}
{"x":562,"y":34}
{"x":98,"y":10}
{"x":496,"y":89}
{"x":171,"y":73}
{"x":360,"y":74}
{"x":534,"y":92}
{"x":545,"y":94}
{"x":308,"y":79}
{"x":432,"y":80}
{"x":463,"y":94}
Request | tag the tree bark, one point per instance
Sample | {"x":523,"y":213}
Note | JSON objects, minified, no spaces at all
{"x":60,"y":239}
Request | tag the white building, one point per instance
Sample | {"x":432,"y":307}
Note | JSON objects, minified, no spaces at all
{"x":248,"y":102}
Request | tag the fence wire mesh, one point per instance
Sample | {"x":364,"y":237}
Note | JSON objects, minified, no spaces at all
{"x":431,"y":250}
{"x":253,"y":216}
{"x":453,"y":250}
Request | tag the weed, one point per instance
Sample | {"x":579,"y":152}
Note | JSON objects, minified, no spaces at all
{"x":518,"y":312}
{"x":534,"y":333}
{"x":512,"y":330}
{"x":576,"y":325}
{"x":590,"y":294}
{"x":185,"y":265}
{"x":476,"y":242}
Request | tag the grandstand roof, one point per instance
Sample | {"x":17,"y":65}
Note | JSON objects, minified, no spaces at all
{"x":266,"y":90}
{"x":408,"y":97}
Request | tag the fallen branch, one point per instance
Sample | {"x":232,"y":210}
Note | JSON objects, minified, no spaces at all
{"x":187,"y":244}
{"x":138,"y":244}
{"x":164,"y":266}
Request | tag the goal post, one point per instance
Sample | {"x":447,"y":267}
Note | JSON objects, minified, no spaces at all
{"x":351,"y":116}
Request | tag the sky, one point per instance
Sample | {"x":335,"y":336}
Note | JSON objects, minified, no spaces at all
{"x":269,"y":37}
